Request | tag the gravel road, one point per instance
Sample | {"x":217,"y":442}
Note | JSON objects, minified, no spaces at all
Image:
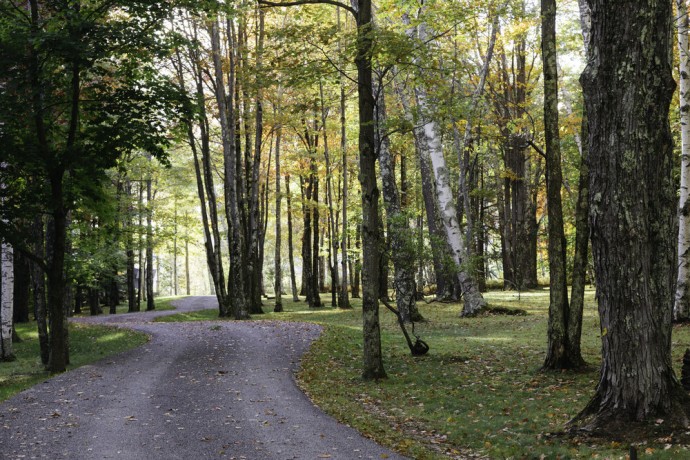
{"x":195,"y":391}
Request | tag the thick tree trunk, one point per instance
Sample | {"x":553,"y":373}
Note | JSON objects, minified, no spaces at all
{"x":57,"y":361}
{"x":6,"y":301}
{"x":371,"y":237}
{"x":236,"y":280}
{"x":681,"y":309}
{"x":628,"y":88}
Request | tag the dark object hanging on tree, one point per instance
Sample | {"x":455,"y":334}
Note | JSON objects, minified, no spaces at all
{"x":685,"y":370}
{"x":419,"y":347}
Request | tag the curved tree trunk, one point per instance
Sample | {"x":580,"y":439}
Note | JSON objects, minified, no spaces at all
{"x":628,"y":88}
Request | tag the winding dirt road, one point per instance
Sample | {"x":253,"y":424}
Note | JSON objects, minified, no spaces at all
{"x":195,"y":391}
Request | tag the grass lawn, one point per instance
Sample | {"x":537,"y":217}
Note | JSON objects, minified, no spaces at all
{"x":478,"y":391}
{"x":88,"y":343}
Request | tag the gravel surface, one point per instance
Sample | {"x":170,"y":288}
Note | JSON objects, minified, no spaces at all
{"x":196,"y":390}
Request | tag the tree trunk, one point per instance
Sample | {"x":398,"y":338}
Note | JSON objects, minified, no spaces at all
{"x":447,"y":285}
{"x":6,"y":301}
{"x":291,"y":257}
{"x":402,"y":248}
{"x":150,"y":303}
{"x":628,"y":87}
{"x":21,"y":288}
{"x":473,"y":300}
{"x":238,"y":298}
{"x":559,"y":353}
{"x":681,"y":308}
{"x":278,"y":284}
{"x":357,"y":269}
{"x":38,"y":288}
{"x":373,"y":360}
{"x":343,"y":299}
{"x":187,"y":277}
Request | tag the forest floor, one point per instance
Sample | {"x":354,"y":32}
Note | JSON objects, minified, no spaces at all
{"x":195,"y":390}
{"x":478,"y":393}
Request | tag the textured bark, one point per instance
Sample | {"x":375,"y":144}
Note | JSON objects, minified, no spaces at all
{"x":681,"y":308}
{"x":6,"y":301}
{"x":343,"y":299}
{"x":291,"y":257}
{"x":253,"y":262}
{"x":559,"y":354}
{"x":628,"y":88}
{"x":447,"y":284}
{"x":278,"y":285}
{"x":473,"y":300}
{"x":402,"y":248}
{"x":332,"y":226}
{"x":371,"y":237}
{"x":580,"y":256}
{"x":238,"y":299}
{"x":204,"y":183}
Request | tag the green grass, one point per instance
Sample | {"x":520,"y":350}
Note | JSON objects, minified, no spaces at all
{"x":88,"y":343}
{"x":478,"y":390}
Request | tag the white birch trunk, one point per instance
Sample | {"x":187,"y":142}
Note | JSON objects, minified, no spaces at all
{"x":6,"y":301}
{"x":681,"y":309}
{"x":473,"y":300}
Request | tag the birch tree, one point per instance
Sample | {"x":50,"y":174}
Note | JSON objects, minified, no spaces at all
{"x":6,"y":301}
{"x":473,"y":300}
{"x":681,"y":309}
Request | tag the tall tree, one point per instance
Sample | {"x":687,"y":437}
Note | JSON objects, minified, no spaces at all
{"x":558,"y":355}
{"x":628,"y":88}
{"x":6,"y":301}
{"x":681,"y":309}
{"x":473,"y":301}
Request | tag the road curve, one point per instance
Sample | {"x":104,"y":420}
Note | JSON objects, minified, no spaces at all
{"x":195,"y":391}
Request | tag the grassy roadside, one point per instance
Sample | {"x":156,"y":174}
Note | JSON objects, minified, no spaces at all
{"x":88,"y":343}
{"x":478,"y":393}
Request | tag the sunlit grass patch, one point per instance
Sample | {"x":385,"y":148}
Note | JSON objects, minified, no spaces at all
{"x":88,"y":343}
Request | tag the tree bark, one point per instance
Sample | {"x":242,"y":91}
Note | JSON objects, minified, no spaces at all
{"x":628,"y":88}
{"x":402,"y":247}
{"x":6,"y":301}
{"x":236,"y":280}
{"x":150,"y":303}
{"x":278,"y":285}
{"x":559,"y":354}
{"x":681,"y":308}
{"x":291,"y":257}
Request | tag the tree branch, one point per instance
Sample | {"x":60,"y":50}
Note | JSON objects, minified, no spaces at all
{"x":266,"y":3}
